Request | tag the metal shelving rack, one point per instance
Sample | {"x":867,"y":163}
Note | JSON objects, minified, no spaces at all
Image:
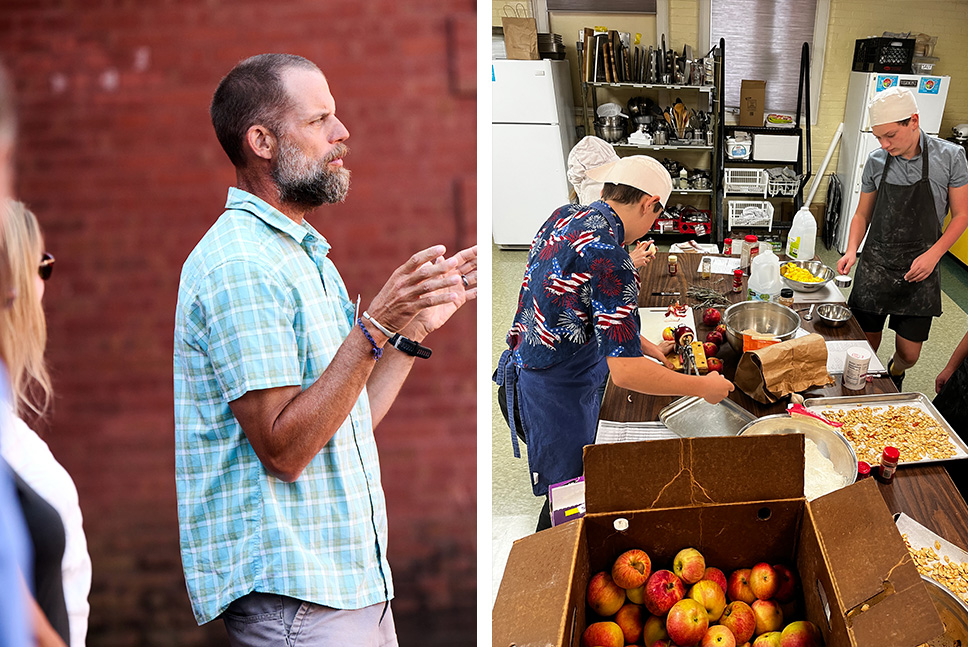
{"x":801,"y":129}
{"x":589,"y":95}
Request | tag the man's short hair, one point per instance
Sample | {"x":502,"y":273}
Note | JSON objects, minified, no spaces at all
{"x":252,"y":93}
{"x":904,"y":122}
{"x":621,"y":193}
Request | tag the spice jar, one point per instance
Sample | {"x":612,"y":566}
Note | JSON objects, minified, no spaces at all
{"x":863,"y":470}
{"x":754,"y":247}
{"x":786,"y":297}
{"x":705,"y":267}
{"x":728,"y":247}
{"x":889,"y":458}
{"x":737,"y":280}
{"x":673,"y":265}
{"x":745,"y":252}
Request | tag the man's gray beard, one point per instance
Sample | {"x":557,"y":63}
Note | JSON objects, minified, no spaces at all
{"x":309,"y":183}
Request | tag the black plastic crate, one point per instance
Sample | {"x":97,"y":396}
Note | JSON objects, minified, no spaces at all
{"x":883,"y":55}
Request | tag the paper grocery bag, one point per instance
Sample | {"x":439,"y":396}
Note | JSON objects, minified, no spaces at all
{"x":771,"y":373}
{"x":521,"y":38}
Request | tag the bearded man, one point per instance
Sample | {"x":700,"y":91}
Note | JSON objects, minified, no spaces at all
{"x":280,"y":379}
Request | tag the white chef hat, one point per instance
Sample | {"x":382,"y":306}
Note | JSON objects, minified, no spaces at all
{"x":587,"y":154}
{"x":639,"y":171}
{"x":891,"y":105}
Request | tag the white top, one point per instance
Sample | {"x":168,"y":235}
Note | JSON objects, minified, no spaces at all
{"x":32,"y":460}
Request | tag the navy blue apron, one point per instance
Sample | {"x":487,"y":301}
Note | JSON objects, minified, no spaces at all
{"x":904,"y":225}
{"x":558,"y":408}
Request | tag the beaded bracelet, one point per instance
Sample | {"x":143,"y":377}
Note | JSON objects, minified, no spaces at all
{"x":377,"y":351}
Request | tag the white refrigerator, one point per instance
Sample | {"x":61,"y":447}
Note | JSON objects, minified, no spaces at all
{"x":533,"y":127}
{"x":858,"y":142}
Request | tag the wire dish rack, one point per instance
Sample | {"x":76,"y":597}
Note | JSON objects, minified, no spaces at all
{"x":782,"y":182}
{"x":750,"y":213}
{"x":746,"y":180}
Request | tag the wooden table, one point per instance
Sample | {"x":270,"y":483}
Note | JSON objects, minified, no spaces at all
{"x":925,"y":492}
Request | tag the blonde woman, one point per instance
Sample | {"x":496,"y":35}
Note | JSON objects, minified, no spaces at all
{"x":23,"y":336}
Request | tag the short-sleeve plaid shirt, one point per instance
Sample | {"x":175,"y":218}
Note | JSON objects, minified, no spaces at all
{"x":261,"y":305}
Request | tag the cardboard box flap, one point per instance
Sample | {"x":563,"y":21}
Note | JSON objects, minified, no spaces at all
{"x":531,"y":605}
{"x":877,"y":586}
{"x":692,"y":471}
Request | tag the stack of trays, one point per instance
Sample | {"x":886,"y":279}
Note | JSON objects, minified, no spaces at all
{"x":550,"y":46}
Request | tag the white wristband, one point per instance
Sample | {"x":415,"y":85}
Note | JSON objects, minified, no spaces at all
{"x":377,"y":324}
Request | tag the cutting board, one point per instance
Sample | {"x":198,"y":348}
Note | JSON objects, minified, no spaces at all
{"x":654,"y":322}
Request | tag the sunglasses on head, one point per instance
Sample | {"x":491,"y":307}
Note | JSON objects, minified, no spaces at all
{"x":46,"y":266}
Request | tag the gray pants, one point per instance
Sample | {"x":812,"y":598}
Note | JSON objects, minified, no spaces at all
{"x":264,"y":619}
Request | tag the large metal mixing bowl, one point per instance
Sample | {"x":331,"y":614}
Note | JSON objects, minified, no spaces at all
{"x":817,"y":268}
{"x":829,"y":441}
{"x":763,"y":317}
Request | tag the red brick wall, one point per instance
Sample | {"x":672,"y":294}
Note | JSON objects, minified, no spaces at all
{"x":118,"y":159}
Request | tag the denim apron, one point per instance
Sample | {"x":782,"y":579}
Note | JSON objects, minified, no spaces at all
{"x":558,"y":408}
{"x":904,"y":225}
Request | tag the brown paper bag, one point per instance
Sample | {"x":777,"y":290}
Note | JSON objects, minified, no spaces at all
{"x":770,"y":373}
{"x":521,"y":38}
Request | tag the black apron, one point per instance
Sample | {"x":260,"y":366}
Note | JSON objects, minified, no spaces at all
{"x":904,"y":225}
{"x":558,"y":408}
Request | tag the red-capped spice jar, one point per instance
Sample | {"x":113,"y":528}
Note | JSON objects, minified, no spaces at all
{"x":889,"y":458}
{"x":728,"y":247}
{"x":754,"y":247}
{"x":863,"y":470}
{"x":737,"y":280}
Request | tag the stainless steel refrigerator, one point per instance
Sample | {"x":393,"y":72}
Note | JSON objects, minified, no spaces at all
{"x":533,"y":127}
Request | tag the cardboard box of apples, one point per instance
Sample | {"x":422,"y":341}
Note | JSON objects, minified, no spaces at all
{"x":738,"y":503}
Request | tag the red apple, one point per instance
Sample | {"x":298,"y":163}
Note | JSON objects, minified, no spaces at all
{"x":786,"y":583}
{"x":769,"y":639}
{"x":801,"y":633}
{"x":739,"y":618}
{"x":636,"y":595}
{"x":718,"y":636}
{"x":715,"y":337}
{"x":738,"y":587}
{"x":716,"y":575}
{"x":603,"y":634}
{"x":654,"y":631}
{"x":714,"y":364}
{"x":668,"y":334}
{"x":632,"y":569}
{"x":710,"y":349}
{"x":721,"y":328}
{"x":711,"y":317}
{"x":687,"y":622}
{"x":662,"y":591}
{"x":763,"y":581}
{"x":604,"y":596}
{"x":689,"y":565}
{"x":630,"y":621}
{"x":710,"y":596}
{"x":768,"y":616}
{"x":683,"y":331}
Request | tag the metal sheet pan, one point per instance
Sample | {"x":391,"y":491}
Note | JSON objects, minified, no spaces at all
{"x":692,"y":417}
{"x":918,"y":400}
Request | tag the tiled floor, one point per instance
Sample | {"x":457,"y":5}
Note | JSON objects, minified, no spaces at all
{"x":515,"y":510}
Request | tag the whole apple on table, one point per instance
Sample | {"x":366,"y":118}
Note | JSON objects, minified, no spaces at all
{"x":691,"y":604}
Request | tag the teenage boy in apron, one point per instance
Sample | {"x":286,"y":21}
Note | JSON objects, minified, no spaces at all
{"x":906,"y":189}
{"x":577,"y":321}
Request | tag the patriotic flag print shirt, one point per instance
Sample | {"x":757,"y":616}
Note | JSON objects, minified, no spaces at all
{"x":580,"y":287}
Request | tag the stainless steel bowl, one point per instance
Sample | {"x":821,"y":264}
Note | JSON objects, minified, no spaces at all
{"x":763,"y":317}
{"x":829,"y":441}
{"x":816,"y":268}
{"x":611,"y":129}
{"x":953,"y":612}
{"x":834,"y":314}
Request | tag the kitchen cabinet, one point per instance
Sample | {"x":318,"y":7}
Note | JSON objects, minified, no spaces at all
{"x":692,"y":210}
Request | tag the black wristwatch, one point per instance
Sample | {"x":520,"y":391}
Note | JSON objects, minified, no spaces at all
{"x":409,"y":346}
